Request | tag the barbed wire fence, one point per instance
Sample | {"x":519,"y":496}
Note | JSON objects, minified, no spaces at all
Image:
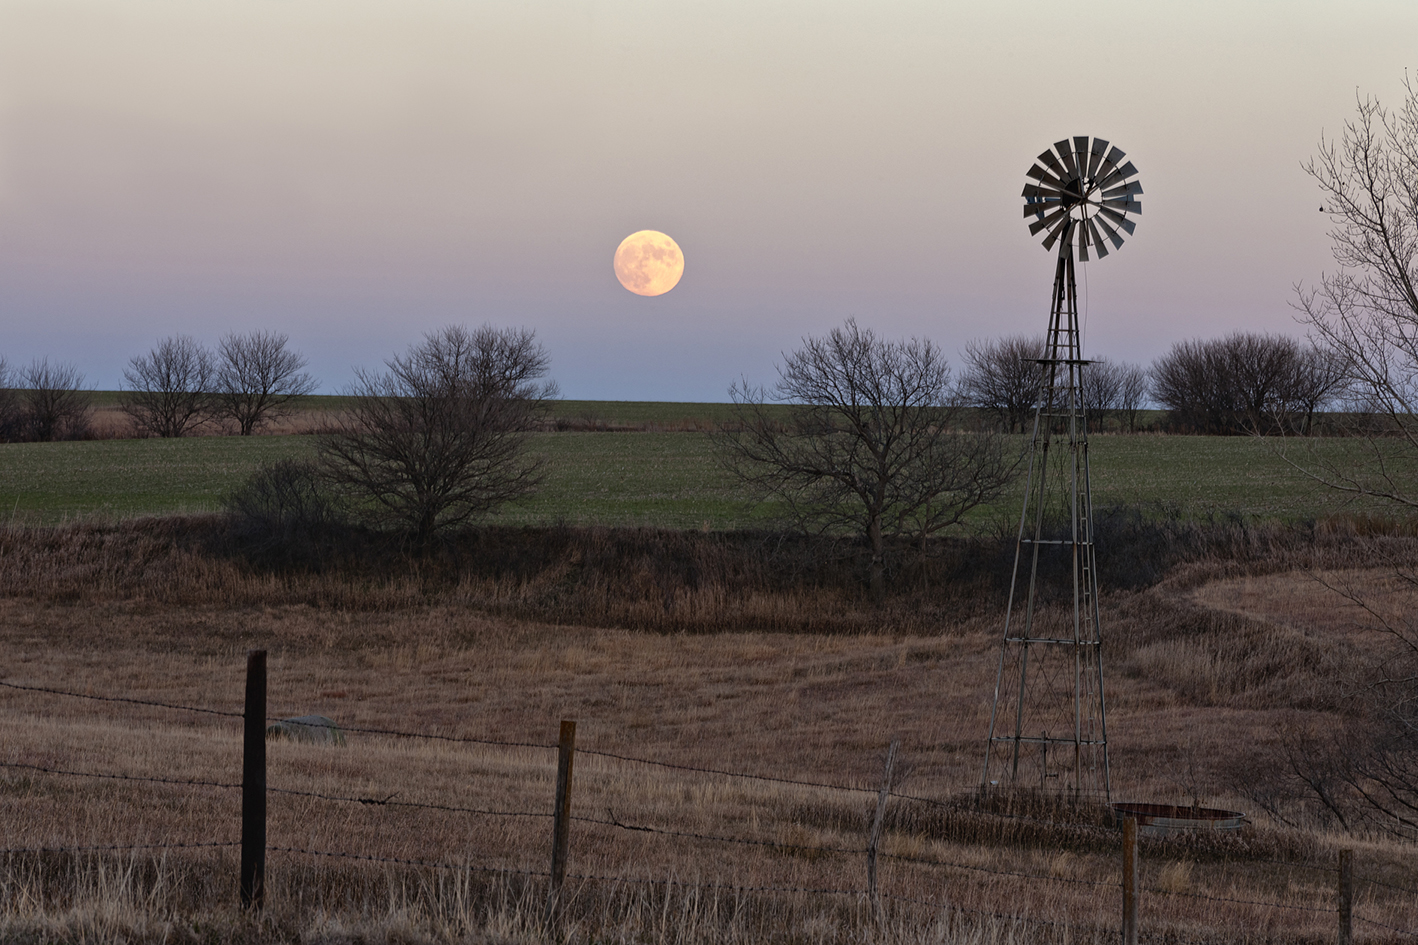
{"x":254,"y":847}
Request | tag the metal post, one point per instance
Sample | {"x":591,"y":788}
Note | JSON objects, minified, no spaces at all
{"x":561,"y":823}
{"x":876,"y":827}
{"x":1346,"y":897}
{"x":1130,"y":883}
{"x":253,"y":784}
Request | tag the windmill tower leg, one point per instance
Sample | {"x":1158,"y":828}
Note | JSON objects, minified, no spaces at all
{"x":1048,"y":723}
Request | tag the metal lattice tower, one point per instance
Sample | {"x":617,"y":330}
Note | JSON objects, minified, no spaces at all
{"x":1048,"y":726}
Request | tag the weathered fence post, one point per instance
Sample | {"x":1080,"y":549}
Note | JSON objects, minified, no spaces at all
{"x":253,"y":784}
{"x":561,"y":823}
{"x":876,"y":823}
{"x":1346,"y":897}
{"x":1130,"y":881}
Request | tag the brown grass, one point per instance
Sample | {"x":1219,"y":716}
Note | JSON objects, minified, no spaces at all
{"x":1202,"y":671}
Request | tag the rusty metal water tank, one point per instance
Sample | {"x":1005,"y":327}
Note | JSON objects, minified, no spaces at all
{"x":1167,"y":820}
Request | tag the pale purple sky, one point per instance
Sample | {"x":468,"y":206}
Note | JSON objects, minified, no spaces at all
{"x":354,"y":173}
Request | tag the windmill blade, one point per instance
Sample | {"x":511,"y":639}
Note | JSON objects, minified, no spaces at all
{"x":1083,"y":244}
{"x":1122,"y":173}
{"x":1126,"y":204}
{"x":1047,"y":221}
{"x":1111,"y":233}
{"x":1080,"y":151}
{"x":1042,"y":188}
{"x":1055,"y":234}
{"x":1131,"y":187}
{"x":1052,"y":163}
{"x":1122,"y":221}
{"x":1046,"y":178}
{"x":1066,"y":154}
{"x":1094,"y":160}
{"x":1041,"y":192}
{"x":1116,"y":155}
{"x":1038,"y":209}
{"x":1097,"y":240}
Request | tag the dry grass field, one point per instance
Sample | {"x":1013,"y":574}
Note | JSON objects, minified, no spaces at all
{"x":1205,"y":667}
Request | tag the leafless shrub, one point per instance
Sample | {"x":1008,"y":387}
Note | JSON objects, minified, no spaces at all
{"x":440,"y":437}
{"x":257,"y":378}
{"x":169,"y":389}
{"x":1244,"y":383}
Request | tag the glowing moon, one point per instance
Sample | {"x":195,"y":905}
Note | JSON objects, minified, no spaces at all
{"x":648,"y":263}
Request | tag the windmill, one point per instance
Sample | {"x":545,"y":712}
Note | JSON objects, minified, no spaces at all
{"x":1048,"y":725}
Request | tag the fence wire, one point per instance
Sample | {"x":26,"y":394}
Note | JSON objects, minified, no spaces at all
{"x":118,"y":777}
{"x":613,"y":822}
{"x":111,"y":848}
{"x":922,"y":861}
{"x":824,"y":785}
{"x":1391,"y":928}
{"x":146,"y":702}
{"x":1244,"y":902}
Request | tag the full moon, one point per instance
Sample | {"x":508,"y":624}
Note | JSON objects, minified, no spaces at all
{"x":648,"y":263}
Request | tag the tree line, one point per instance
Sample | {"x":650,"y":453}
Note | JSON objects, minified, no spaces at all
{"x":176,"y":389}
{"x":1243,"y":383}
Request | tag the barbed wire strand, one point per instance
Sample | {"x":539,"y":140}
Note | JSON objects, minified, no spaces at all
{"x":725,"y":773}
{"x":719,"y":839}
{"x":147,"y":702}
{"x":390,"y":802}
{"x":369,"y":801}
{"x":118,"y":777}
{"x":1382,"y":925}
{"x":120,"y":846}
{"x":429,"y":864}
{"x":1379,"y":882}
{"x":242,"y":715}
{"x":985,"y":869}
{"x":1244,"y":902}
{"x":985,"y":912}
{"x":468,"y":739}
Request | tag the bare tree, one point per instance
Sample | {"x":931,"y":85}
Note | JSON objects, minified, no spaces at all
{"x":9,"y":404}
{"x":54,"y":403}
{"x":169,"y":389}
{"x":870,"y":443}
{"x":1365,"y":316}
{"x":257,"y":378}
{"x":1102,"y":389}
{"x":1002,"y":377}
{"x":1132,"y":394}
{"x":1320,"y":378}
{"x":1366,"y":313}
{"x":440,"y":436}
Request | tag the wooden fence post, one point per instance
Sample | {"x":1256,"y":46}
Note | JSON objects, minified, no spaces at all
{"x":1130,"y":883}
{"x":561,"y":823}
{"x":253,"y":784}
{"x":875,"y":837}
{"x":1346,"y":897}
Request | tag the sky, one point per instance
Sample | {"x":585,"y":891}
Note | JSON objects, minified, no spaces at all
{"x":355,"y":173}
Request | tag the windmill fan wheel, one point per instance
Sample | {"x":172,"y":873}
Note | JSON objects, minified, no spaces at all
{"x":1079,"y":193}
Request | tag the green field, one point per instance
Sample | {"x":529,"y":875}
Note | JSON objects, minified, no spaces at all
{"x":664,"y":479}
